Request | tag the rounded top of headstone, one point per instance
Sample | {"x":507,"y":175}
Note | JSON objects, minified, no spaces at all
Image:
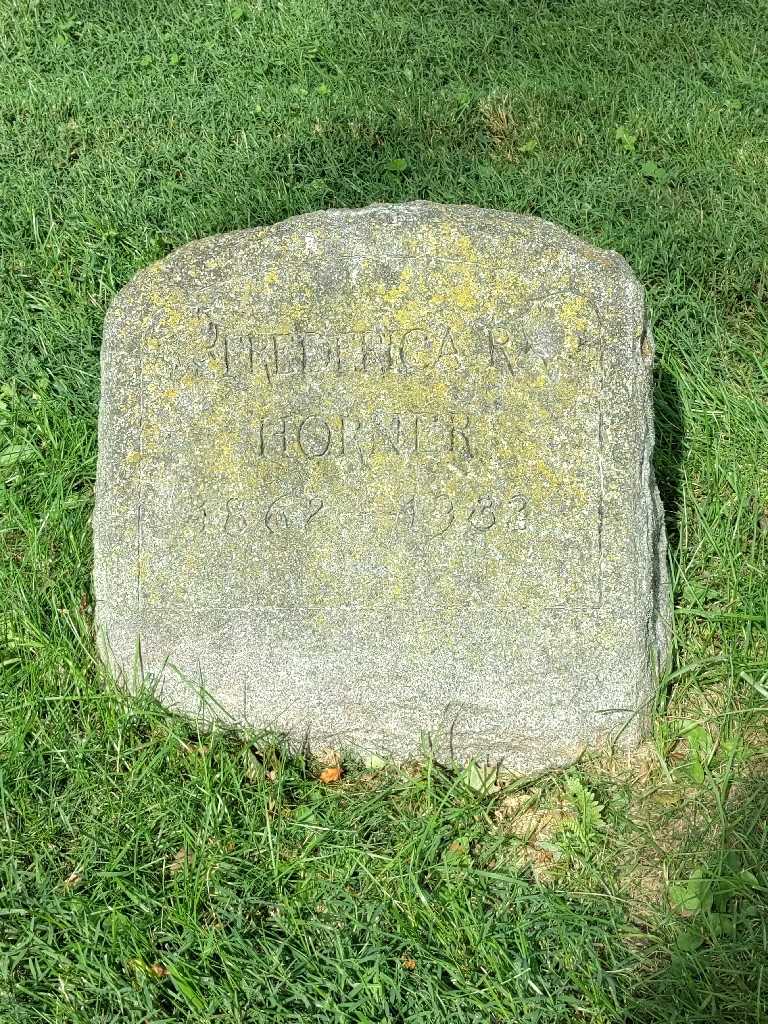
{"x":441,"y":234}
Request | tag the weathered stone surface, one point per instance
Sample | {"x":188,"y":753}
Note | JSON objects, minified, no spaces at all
{"x":381,"y":476}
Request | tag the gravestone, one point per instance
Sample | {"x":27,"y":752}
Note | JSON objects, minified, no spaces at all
{"x":382,"y":479}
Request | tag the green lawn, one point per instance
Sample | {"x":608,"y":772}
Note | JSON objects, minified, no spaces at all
{"x":147,"y":874}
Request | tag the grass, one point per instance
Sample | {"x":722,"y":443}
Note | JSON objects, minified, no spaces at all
{"x":148,"y":874}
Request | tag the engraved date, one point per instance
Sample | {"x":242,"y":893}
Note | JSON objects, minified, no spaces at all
{"x":427,"y":516}
{"x":435,"y":515}
{"x":236,"y":517}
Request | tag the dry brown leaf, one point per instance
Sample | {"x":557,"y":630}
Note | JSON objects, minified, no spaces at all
{"x":254,"y":767}
{"x":540,"y":862}
{"x":195,"y":748}
{"x":180,"y":858}
{"x":330,"y":775}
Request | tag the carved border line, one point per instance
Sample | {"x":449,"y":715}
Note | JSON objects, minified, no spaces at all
{"x":140,"y":478}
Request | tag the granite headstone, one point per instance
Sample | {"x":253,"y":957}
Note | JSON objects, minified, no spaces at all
{"x":382,"y":479}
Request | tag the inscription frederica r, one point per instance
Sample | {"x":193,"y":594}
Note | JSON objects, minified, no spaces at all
{"x":289,"y":356}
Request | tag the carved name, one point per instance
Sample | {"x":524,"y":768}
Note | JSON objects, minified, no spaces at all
{"x":339,"y":435}
{"x":291,"y":356}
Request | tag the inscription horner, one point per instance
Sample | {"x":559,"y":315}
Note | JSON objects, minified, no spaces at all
{"x":378,"y":475}
{"x":335,"y":435}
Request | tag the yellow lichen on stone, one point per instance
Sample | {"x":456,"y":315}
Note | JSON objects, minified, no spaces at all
{"x":363,"y":524}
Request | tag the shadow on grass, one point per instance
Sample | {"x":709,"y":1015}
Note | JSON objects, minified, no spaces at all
{"x":668,"y":453}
